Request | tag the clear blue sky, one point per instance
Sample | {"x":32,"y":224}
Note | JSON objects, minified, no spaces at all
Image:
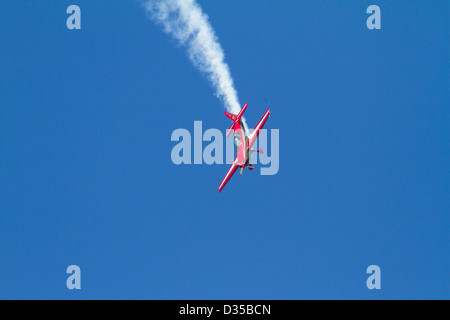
{"x":86,"y":176}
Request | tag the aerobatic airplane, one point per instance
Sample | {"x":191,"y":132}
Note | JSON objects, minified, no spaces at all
{"x":243,"y":143}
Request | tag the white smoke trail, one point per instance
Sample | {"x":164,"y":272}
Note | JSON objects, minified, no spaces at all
{"x":185,"y":21}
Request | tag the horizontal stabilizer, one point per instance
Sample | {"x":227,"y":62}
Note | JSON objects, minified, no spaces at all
{"x":235,"y":118}
{"x":231,"y":116}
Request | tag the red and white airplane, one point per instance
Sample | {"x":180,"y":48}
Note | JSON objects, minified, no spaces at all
{"x":243,"y":143}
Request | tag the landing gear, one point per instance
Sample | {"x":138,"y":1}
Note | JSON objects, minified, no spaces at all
{"x":250,"y":167}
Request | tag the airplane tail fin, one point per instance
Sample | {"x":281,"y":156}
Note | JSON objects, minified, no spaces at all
{"x":235,"y":118}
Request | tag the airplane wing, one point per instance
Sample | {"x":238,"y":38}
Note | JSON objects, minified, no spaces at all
{"x":229,"y":174}
{"x":252,"y":137}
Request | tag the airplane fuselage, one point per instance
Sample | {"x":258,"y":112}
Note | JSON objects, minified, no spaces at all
{"x":241,"y":143}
